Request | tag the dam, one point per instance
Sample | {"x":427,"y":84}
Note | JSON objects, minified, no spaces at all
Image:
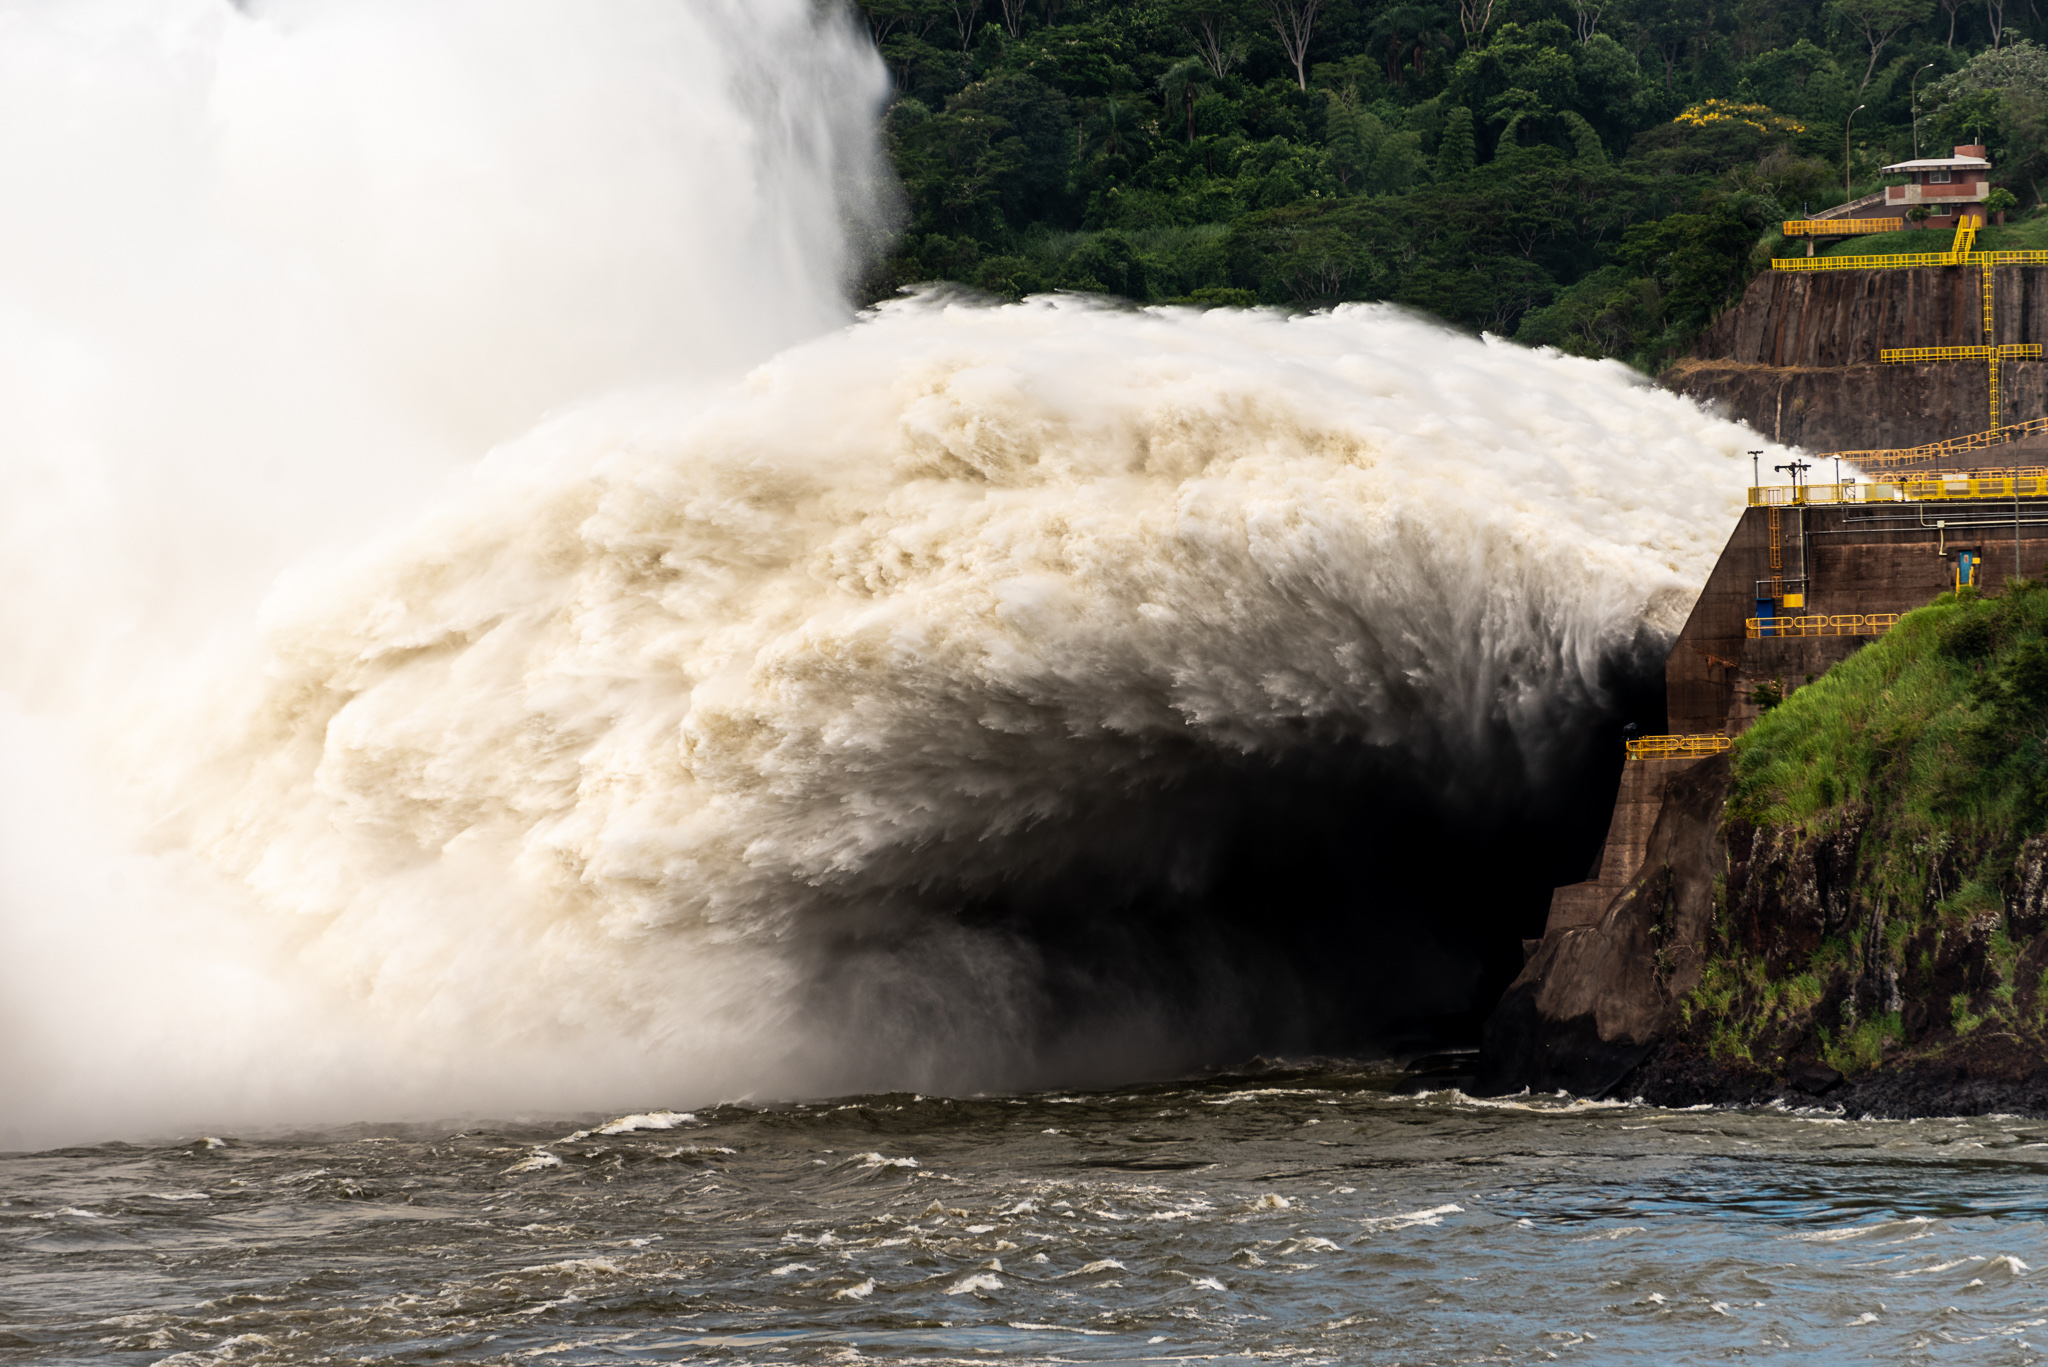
{"x":1819,"y":563}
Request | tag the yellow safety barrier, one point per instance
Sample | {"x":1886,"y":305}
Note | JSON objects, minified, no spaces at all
{"x":1676,"y":747}
{"x":1931,"y":488}
{"x":2011,"y":351}
{"x":1897,"y":261}
{"x":1786,"y":495}
{"x":1906,"y":260}
{"x":1936,"y":450}
{"x":1916,"y":489}
{"x":1840,"y":227}
{"x":1847,"y":624}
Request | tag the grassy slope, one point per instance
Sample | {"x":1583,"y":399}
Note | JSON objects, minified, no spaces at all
{"x":1929,"y":744}
{"x":2029,"y":234}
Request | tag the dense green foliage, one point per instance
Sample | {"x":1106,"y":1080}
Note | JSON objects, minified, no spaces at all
{"x":1598,"y":175}
{"x":1939,"y":729}
{"x":1917,"y":770}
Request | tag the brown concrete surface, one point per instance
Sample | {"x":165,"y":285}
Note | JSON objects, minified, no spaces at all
{"x":1797,"y":359}
{"x":1592,"y":999}
{"x":1636,"y":804}
{"x":1879,"y":558}
{"x":1857,"y":559}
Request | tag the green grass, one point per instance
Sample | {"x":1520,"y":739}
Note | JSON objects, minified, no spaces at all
{"x":1930,"y":747}
{"x":1861,"y":1048}
{"x":2025,"y":234}
{"x":1900,"y":730}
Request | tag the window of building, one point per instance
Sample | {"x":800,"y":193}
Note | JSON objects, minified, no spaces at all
{"x":1938,"y":176}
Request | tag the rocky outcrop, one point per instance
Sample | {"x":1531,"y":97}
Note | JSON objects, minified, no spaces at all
{"x":1740,"y":960}
{"x":1937,"y":1049}
{"x":1593,"y":1000}
{"x":1797,"y":359}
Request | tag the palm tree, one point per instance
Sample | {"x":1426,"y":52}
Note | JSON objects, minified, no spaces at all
{"x":1181,"y":84}
{"x":1118,"y":121}
{"x":1407,"y":33}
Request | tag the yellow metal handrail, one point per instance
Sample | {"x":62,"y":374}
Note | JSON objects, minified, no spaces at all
{"x":1935,"y":450}
{"x":1786,"y":495}
{"x":1931,"y":488}
{"x":2011,"y":351}
{"x":1919,"y":489}
{"x":1895,"y":261}
{"x":1840,"y":227}
{"x":1845,"y":624}
{"x":1907,"y":260}
{"x":1676,"y":747}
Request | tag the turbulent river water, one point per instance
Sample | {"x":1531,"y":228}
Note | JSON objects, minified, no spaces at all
{"x":1309,"y":1214}
{"x":485,"y":629}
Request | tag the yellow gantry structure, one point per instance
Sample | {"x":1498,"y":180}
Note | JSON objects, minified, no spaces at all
{"x":2012,"y":351}
{"x":1842,"y":624}
{"x":1960,"y":253}
{"x":1676,"y":747}
{"x":1991,"y":355}
{"x":2026,"y":482}
{"x":1839,"y":227}
{"x":1938,"y":450}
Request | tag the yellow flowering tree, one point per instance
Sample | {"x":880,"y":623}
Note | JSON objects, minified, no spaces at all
{"x":1760,"y":117}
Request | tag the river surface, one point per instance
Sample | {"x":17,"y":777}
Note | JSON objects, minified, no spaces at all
{"x":1311,"y":1215}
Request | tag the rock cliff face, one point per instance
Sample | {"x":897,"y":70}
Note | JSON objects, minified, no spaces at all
{"x":1851,"y":904}
{"x":1595,"y":1000}
{"x":1619,"y":1007}
{"x":1797,"y":359}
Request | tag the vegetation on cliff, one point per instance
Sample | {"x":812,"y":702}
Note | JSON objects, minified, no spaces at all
{"x":1887,"y":885}
{"x":1599,"y":175}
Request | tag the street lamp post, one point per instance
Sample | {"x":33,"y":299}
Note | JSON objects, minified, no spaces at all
{"x":1913,"y":86}
{"x":1846,"y":125}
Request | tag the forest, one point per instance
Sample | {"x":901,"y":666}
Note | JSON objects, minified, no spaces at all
{"x":1602,"y":176}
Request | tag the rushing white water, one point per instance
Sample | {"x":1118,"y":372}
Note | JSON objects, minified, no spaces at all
{"x":655,"y":757}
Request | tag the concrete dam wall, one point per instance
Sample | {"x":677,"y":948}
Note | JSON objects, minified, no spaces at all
{"x":1797,"y":359}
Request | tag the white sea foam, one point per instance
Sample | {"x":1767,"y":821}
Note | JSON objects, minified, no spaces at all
{"x":1409,"y":1219}
{"x":877,"y":1160}
{"x":666,"y":745}
{"x":981,"y":1283}
{"x":1099,"y":1265}
{"x":579,"y":1267}
{"x":650,"y":1120}
{"x":538,"y":1161}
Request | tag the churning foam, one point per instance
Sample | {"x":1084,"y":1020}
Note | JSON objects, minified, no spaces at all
{"x":656,"y":760}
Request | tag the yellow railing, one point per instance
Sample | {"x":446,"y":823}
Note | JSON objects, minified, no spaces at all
{"x":1897,"y":261}
{"x":1906,"y":260}
{"x":2011,"y":351}
{"x":1936,"y":487}
{"x":1676,"y":747}
{"x":1847,"y":624}
{"x":1785,"y":495}
{"x":1936,"y":450}
{"x":1840,"y":227}
{"x":2030,"y":482}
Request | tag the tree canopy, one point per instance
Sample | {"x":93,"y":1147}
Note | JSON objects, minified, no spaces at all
{"x":1597,"y":175}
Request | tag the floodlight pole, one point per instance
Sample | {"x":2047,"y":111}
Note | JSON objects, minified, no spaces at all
{"x":1913,"y":87}
{"x":1846,"y":125}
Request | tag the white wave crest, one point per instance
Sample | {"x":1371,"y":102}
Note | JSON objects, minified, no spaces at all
{"x":673,"y":742}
